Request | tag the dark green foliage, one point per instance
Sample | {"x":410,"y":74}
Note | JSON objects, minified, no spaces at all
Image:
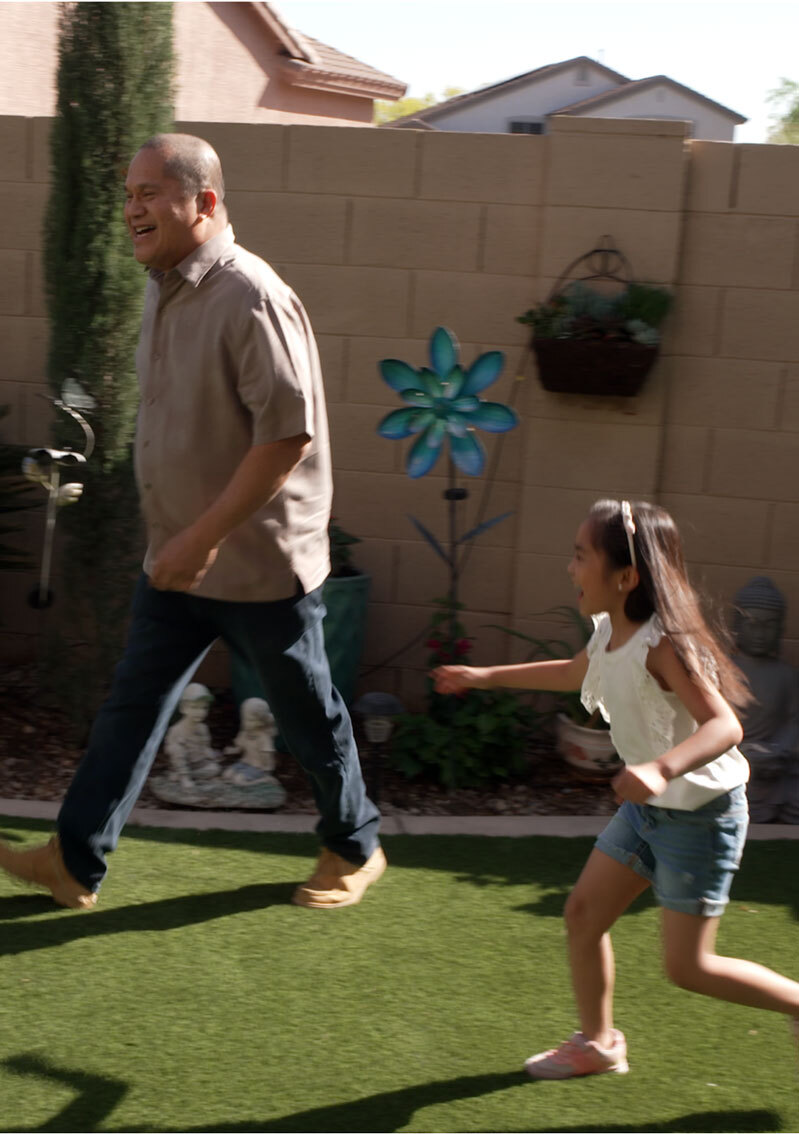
{"x":461,"y":741}
{"x":114,"y":91}
{"x":581,"y":312}
{"x":16,"y":495}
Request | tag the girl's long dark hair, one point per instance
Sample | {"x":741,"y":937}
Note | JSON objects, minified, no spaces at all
{"x":664,"y":589}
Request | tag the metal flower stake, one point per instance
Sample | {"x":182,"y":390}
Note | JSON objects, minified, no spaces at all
{"x":442,"y":405}
{"x":43,"y":466}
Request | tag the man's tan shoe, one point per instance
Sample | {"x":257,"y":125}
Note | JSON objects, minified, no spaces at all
{"x":336,"y":882}
{"x":44,"y":866}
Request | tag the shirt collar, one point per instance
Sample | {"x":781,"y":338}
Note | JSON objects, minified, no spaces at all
{"x":196,"y":266}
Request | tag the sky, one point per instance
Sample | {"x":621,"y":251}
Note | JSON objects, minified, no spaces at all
{"x":733,"y":53}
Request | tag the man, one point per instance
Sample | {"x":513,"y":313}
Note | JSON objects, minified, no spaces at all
{"x":233,"y":469}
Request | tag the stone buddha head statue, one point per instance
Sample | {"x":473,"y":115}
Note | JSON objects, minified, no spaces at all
{"x":759,"y":618}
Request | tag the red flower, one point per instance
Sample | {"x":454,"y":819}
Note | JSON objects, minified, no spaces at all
{"x":462,"y":646}
{"x":433,"y":644}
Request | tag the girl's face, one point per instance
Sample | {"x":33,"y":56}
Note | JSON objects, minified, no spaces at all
{"x":597,"y":584}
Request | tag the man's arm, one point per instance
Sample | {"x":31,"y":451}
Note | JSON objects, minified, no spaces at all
{"x":183,"y":561}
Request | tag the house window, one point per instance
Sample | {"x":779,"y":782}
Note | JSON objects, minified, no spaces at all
{"x":526,"y":128}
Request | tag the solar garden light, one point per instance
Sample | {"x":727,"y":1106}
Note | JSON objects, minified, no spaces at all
{"x":378,"y":711}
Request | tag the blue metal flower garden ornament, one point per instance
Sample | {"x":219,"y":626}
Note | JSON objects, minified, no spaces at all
{"x":443,"y":403}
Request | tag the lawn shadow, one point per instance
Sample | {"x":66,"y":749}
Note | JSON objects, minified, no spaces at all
{"x":97,"y":1095}
{"x":722,"y":1121}
{"x":168,"y":913}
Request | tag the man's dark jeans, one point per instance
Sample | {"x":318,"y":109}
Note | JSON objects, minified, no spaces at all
{"x":170,"y":634}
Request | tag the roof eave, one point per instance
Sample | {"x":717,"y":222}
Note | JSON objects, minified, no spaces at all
{"x":299,"y":74}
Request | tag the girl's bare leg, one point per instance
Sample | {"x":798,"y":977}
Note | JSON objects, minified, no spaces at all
{"x":692,"y":962}
{"x":601,"y":894}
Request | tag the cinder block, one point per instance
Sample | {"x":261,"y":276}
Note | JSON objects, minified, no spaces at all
{"x":719,"y":529}
{"x":789,"y":411}
{"x":710,"y":176}
{"x":295,"y":228}
{"x":693,"y":321}
{"x":549,"y":518}
{"x":541,"y":583}
{"x":729,"y":392}
{"x":760,"y":324}
{"x":499,"y":168}
{"x":14,"y":148}
{"x":785,"y":538}
{"x":24,"y":348}
{"x":377,"y":506}
{"x":252,"y":155}
{"x":738,"y":251}
{"x":616,"y":171}
{"x":351,"y":301}
{"x":767,"y":180}
{"x":351,"y":160}
{"x":415,"y":234}
{"x":36,"y":414}
{"x":474,"y":306}
{"x":577,"y":454}
{"x":391,"y":628}
{"x":37,"y":302}
{"x":634,"y":127}
{"x":485,"y":584}
{"x":332,"y":359}
{"x":685,"y":458}
{"x":26,"y":203}
{"x":649,"y":240}
{"x":759,"y":464}
{"x":354,"y":441}
{"x":14,"y":283}
{"x":511,"y":240}
{"x":40,"y":130}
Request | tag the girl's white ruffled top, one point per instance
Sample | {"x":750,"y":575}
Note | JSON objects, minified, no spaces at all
{"x":645,"y":721}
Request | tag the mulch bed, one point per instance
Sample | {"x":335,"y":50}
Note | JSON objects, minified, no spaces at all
{"x":39,"y":754}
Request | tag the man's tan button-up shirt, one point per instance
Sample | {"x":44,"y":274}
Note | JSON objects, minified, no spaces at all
{"x":227,"y":360}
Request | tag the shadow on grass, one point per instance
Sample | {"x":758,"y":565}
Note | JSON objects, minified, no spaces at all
{"x":169,"y":913}
{"x":97,"y":1097}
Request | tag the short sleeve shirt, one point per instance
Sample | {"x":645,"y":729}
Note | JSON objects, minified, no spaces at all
{"x":227,"y":360}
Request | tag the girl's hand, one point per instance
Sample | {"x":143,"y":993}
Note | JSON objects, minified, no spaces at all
{"x":459,"y":678}
{"x":639,"y":782}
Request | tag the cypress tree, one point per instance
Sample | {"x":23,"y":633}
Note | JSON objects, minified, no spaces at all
{"x":114,"y":91}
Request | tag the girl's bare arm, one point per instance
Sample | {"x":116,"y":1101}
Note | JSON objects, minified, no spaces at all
{"x":553,"y":676}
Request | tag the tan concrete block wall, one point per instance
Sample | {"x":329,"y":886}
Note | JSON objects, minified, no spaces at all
{"x":386,"y":234}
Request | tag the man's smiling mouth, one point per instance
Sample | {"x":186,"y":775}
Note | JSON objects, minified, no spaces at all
{"x":142,"y":230}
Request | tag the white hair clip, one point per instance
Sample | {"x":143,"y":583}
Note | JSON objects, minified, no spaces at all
{"x":629,"y":527}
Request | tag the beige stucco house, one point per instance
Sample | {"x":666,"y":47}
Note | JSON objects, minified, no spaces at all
{"x":234,"y":63}
{"x":581,"y":87}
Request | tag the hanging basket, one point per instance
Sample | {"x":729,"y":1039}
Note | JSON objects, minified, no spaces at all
{"x":590,"y":363}
{"x":590,"y":366}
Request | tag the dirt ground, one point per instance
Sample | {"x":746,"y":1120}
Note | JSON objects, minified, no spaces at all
{"x":38,"y":759}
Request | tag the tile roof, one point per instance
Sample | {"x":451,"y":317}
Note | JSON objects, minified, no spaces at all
{"x":309,"y":63}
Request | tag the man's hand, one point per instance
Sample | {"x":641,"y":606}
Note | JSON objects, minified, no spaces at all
{"x":639,"y":782}
{"x":459,"y":678}
{"x":181,"y":563}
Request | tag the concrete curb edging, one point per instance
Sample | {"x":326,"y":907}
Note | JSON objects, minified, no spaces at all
{"x":400,"y":823}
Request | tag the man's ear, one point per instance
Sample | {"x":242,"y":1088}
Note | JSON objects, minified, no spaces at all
{"x":206,"y":203}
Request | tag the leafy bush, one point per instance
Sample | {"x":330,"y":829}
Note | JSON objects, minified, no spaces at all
{"x":581,"y":312}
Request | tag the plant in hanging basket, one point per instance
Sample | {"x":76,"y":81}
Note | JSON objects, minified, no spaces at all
{"x":586,"y":342}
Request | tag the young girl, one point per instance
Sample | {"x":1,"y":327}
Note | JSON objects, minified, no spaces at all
{"x":663,"y":682}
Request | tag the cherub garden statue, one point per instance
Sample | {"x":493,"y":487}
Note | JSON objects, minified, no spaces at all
{"x":254,"y":744}
{"x":188,"y":742}
{"x":771,"y":721}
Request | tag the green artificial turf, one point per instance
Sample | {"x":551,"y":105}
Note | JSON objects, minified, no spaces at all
{"x":197,"y":998}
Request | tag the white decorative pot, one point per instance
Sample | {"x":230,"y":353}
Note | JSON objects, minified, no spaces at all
{"x":588,"y":750}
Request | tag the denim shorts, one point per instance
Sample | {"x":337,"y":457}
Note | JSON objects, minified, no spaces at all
{"x":688,"y":856}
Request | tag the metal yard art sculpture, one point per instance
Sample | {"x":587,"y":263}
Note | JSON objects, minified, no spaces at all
{"x":44,"y":466}
{"x":442,"y":405}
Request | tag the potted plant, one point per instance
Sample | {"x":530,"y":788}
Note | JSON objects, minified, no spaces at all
{"x":591,"y":340}
{"x":346,"y":594}
{"x":582,"y":738}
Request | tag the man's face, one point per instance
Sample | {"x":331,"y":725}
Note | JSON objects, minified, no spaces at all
{"x":164,"y":224}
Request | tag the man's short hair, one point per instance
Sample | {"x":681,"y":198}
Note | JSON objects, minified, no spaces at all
{"x":191,"y":161}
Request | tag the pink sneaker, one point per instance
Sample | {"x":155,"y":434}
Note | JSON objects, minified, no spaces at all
{"x":579,"y":1056}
